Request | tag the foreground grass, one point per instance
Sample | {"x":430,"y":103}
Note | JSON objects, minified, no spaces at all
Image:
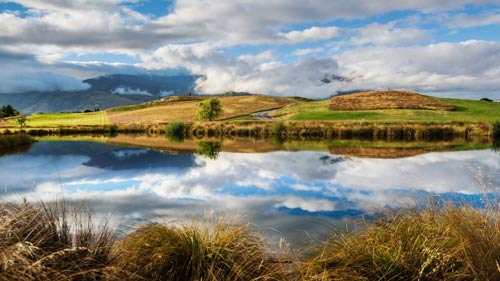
{"x":38,"y":242}
{"x":52,"y":242}
{"x":449,"y":244}
{"x":465,"y":111}
{"x":212,"y":250}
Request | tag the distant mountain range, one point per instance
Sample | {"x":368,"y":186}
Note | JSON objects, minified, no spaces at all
{"x":105,"y":92}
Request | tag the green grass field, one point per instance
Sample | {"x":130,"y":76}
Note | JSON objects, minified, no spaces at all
{"x":466,"y":110}
{"x":67,"y":119}
{"x":240,"y":108}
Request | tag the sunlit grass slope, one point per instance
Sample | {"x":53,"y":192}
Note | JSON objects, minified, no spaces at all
{"x":184,"y":109}
{"x":465,"y":110}
{"x":67,"y":119}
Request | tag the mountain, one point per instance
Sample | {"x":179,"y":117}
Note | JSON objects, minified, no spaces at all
{"x":105,"y":92}
{"x":152,"y":85}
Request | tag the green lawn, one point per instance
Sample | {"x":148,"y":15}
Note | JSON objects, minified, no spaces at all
{"x":466,"y":110}
{"x":67,"y":119}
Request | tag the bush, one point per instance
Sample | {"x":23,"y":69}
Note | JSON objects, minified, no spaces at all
{"x":213,"y":250}
{"x":278,"y":129}
{"x":176,"y":131}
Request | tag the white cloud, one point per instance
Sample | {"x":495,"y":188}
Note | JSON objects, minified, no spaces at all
{"x":389,"y":35}
{"x":472,"y":67}
{"x":312,"y":34}
{"x":466,"y":20}
{"x":130,"y":91}
{"x":307,"y":51}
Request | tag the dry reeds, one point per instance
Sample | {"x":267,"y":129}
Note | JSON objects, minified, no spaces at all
{"x":448,"y":244}
{"x":211,"y":250}
{"x":49,"y":242}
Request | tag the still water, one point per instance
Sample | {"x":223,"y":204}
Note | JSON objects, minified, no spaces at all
{"x":292,"y":194}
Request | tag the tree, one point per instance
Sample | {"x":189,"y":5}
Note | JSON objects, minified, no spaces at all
{"x":209,"y":109}
{"x":21,"y":120}
{"x":8,"y":111}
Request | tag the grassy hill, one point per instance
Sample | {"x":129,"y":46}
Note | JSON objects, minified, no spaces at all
{"x":425,"y":109}
{"x":387,"y":100}
{"x":464,"y":110}
{"x":165,"y":110}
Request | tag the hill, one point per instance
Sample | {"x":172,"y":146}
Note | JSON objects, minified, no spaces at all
{"x":34,"y":102}
{"x":105,"y":92}
{"x":184,"y":109}
{"x":390,"y":99}
{"x":464,"y":111}
{"x":149,"y":85}
{"x":166,"y":110}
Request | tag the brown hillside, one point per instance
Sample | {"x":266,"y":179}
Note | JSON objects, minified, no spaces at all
{"x":390,"y":99}
{"x":184,"y":109}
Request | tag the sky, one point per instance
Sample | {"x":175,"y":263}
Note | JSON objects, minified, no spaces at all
{"x":309,"y":48}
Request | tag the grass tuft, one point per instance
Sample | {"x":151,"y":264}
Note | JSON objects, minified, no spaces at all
{"x":448,"y":244}
{"x":212,"y":250}
{"x":38,"y":242}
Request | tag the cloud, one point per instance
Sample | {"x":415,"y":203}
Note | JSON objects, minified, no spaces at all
{"x":130,"y":91}
{"x":312,"y":34}
{"x":307,"y":51}
{"x":466,"y":20}
{"x":115,"y":27}
{"x":389,"y":35}
{"x":23,"y":73}
{"x":471,"y":67}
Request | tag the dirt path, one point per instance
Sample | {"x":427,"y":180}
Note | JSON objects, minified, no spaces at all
{"x":264,"y":115}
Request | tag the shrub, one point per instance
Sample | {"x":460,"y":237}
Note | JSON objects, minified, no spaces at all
{"x":212,"y":250}
{"x":278,"y":129}
{"x":176,"y":131}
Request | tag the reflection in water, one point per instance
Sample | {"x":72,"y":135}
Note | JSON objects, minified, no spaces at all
{"x":209,"y":149}
{"x":290,"y":192}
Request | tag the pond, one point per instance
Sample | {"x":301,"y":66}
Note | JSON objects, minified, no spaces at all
{"x":296,"y":190}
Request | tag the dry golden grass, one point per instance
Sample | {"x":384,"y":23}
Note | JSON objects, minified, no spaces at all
{"x":184,"y":110}
{"x":38,"y":242}
{"x":49,"y":242}
{"x":390,"y":99}
{"x":449,"y":244}
{"x":213,"y":250}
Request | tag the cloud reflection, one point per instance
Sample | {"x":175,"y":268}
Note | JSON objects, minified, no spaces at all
{"x":291,"y":192}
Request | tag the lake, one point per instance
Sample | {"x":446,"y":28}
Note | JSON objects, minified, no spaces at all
{"x":296,"y":190}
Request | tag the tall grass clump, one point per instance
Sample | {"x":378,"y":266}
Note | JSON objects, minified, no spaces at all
{"x":496,"y":130}
{"x":176,"y":131}
{"x":212,"y":250}
{"x":452,"y":243}
{"x":14,"y":141}
{"x":50,"y":242}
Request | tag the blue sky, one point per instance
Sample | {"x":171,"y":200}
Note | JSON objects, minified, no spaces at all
{"x":277,"y":47}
